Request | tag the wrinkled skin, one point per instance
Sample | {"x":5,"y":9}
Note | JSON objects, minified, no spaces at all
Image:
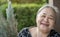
{"x":46,"y":19}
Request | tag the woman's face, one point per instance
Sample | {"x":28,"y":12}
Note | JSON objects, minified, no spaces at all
{"x":46,"y":19}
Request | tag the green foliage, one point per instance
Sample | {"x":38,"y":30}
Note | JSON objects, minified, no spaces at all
{"x":3,"y":9}
{"x":29,"y":1}
{"x":25,"y":14}
{"x":2,"y":2}
{"x":7,"y":29}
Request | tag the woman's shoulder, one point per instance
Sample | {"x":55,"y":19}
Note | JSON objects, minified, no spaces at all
{"x":57,"y":34}
{"x":54,"y":33}
{"x":24,"y":32}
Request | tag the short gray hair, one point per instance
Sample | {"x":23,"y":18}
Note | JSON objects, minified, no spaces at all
{"x":55,"y":9}
{"x":50,"y":6}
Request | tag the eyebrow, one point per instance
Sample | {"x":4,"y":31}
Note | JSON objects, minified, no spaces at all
{"x":44,"y":13}
{"x":49,"y":15}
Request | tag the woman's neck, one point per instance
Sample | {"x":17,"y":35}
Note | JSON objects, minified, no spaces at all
{"x":36,"y":33}
{"x":42,"y":34}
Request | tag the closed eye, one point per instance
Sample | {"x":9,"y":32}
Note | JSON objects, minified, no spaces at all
{"x":51,"y":18}
{"x":43,"y":16}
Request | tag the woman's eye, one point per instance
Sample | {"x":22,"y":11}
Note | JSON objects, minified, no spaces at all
{"x":51,"y":18}
{"x":42,"y":16}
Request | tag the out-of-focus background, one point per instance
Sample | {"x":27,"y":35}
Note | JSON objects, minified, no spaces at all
{"x":24,"y":10}
{"x":17,"y":14}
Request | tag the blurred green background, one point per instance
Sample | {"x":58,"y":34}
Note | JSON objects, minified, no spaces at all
{"x":25,"y":11}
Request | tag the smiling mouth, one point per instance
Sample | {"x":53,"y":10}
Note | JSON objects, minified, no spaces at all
{"x":45,"y":24}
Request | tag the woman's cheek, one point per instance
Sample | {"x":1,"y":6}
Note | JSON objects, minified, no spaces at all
{"x":40,"y":19}
{"x":52,"y":23}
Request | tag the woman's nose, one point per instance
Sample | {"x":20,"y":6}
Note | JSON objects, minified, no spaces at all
{"x":46,"y":19}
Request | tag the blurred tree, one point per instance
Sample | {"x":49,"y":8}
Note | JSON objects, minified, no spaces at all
{"x":28,"y":1}
{"x":2,"y":2}
{"x":24,"y":1}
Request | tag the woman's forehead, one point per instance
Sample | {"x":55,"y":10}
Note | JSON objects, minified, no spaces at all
{"x":47,"y":11}
{"x":46,"y":8}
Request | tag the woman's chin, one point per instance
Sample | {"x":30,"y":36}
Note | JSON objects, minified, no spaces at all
{"x":44,"y":28}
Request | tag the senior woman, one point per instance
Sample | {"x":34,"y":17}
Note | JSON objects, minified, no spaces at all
{"x":45,"y":20}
